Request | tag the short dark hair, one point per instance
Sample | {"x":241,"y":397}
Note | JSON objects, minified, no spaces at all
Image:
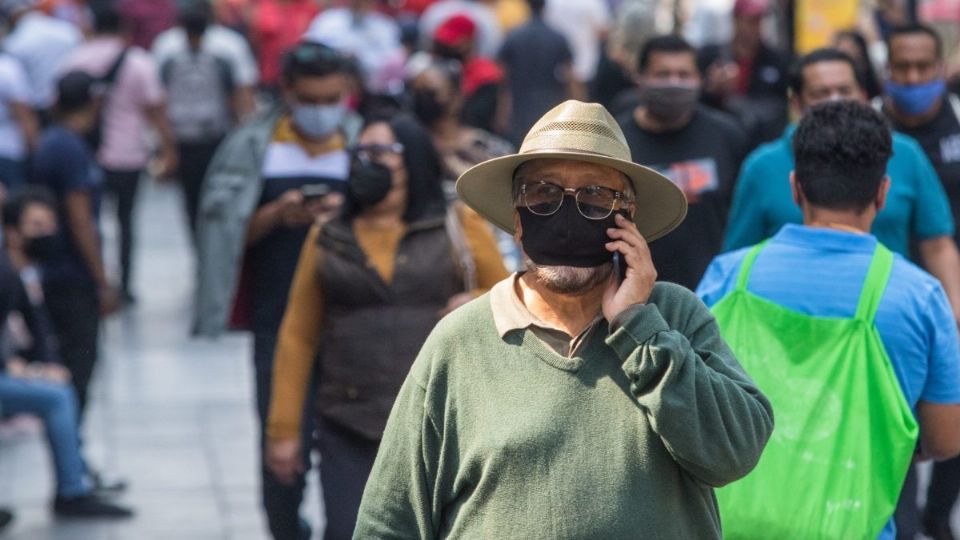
{"x":106,"y":17}
{"x":825,"y":54}
{"x":667,"y":43}
{"x":18,"y":201}
{"x":913,"y":29}
{"x":309,"y":59}
{"x":841,"y":150}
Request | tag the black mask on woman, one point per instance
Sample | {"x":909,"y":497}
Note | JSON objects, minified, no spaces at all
{"x":41,"y":248}
{"x":369,"y":183}
{"x":427,"y":107}
{"x":566,"y":238}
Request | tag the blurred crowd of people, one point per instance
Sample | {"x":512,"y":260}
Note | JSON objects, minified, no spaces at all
{"x":317,"y":145}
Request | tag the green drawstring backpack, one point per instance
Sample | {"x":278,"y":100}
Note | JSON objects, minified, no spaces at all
{"x":844,"y":434}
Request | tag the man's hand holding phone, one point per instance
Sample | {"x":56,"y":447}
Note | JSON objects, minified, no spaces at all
{"x":639,"y":275}
{"x":321,"y":201}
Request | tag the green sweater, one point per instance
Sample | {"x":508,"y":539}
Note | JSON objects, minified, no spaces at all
{"x":504,"y":438}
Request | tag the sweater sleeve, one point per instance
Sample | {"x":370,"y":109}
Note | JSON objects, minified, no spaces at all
{"x":483,"y":246}
{"x":712,"y":419}
{"x":399,"y":500}
{"x":297,"y":345}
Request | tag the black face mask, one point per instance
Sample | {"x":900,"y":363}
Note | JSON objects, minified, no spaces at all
{"x":449,"y":53}
{"x":369,"y":182}
{"x":427,"y":107}
{"x":566,"y":238}
{"x":41,"y":248}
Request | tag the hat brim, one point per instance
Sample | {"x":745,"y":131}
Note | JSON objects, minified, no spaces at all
{"x":488,"y":188}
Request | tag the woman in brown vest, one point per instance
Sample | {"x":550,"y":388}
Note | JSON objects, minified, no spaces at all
{"x":368,"y":289}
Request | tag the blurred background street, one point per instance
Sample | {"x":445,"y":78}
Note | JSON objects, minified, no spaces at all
{"x":171,"y":415}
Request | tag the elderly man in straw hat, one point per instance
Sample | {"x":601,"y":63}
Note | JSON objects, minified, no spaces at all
{"x":574,"y":400}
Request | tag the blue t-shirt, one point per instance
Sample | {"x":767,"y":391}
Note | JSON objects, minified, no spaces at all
{"x":64,"y":164}
{"x":917,"y":207}
{"x":820,"y":272}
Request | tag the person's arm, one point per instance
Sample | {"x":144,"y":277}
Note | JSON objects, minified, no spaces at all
{"x":941,"y":258}
{"x":244,"y":103}
{"x":297,"y":344}
{"x":939,"y":430}
{"x":157,"y":116}
{"x":24,"y":116}
{"x":711,"y":417}
{"x":83,"y":229}
{"x":745,"y":223}
{"x":938,"y":407}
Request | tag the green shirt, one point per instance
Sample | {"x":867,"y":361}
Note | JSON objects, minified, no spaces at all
{"x":496,"y":437}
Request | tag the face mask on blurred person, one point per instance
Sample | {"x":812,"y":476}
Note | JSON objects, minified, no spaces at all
{"x":318,"y":120}
{"x":40,"y":248}
{"x":427,"y":107}
{"x":369,"y":183}
{"x":668,"y":103}
{"x":914,"y":99}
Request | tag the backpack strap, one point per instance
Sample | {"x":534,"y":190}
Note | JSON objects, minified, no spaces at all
{"x":747,"y":266}
{"x":111,"y":75}
{"x":875,"y":284}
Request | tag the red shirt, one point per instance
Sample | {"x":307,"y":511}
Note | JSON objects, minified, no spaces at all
{"x":277,"y":28}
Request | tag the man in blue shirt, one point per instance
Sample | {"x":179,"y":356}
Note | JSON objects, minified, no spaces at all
{"x":818,"y":268}
{"x":917,"y":209}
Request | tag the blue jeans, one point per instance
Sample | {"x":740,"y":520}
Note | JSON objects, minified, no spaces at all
{"x":56,"y":405}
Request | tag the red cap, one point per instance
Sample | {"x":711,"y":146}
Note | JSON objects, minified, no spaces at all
{"x":455,"y":30}
{"x":751,"y":8}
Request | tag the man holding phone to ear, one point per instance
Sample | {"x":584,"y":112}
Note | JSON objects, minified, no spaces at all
{"x":567,"y":403}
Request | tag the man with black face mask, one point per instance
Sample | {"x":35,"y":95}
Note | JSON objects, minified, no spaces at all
{"x":573,"y":400}
{"x":698,"y":148}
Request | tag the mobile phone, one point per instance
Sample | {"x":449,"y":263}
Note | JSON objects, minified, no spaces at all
{"x":619,"y":267}
{"x":314,"y":191}
{"x":619,"y":263}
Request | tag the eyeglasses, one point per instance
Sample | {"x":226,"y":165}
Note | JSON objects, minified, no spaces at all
{"x":593,"y":202}
{"x":375,"y":152}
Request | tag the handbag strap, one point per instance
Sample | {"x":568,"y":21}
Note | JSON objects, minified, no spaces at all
{"x":461,"y":250}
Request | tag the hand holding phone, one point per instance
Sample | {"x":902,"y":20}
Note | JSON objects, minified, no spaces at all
{"x":629,"y":250}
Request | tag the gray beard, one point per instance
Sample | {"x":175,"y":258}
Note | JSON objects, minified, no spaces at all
{"x":571,"y":280}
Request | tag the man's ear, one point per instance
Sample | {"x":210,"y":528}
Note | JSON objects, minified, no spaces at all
{"x":795,"y":190}
{"x":883,"y":192}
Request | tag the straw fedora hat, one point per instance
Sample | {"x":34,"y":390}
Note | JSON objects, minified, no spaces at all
{"x":581,"y":132}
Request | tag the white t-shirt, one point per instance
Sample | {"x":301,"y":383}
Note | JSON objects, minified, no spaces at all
{"x":583,"y":23}
{"x":374,"y":40}
{"x":219,"y":41}
{"x":41,"y":43}
{"x":14,"y":88}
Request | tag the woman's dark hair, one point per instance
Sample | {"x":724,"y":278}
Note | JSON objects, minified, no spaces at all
{"x":425,"y":197}
{"x":106,"y":17}
{"x":841,"y":150}
{"x":868,"y":75}
{"x":20,"y":199}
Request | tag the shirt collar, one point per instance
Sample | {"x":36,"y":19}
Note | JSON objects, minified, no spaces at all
{"x":509,"y":313}
{"x":824,"y":239}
